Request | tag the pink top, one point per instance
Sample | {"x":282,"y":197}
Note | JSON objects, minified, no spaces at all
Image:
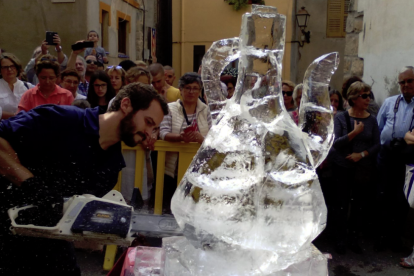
{"x":33,"y":97}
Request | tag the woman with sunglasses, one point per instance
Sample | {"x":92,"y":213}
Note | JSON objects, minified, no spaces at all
{"x":11,"y":88}
{"x":117,"y":76}
{"x":100,"y":91}
{"x":287,"y":92}
{"x":357,"y":142}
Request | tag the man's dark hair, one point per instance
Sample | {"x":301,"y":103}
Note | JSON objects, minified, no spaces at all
{"x":92,"y":31}
{"x":127,"y":64}
{"x":92,"y":97}
{"x":140,"y":95}
{"x":155,"y":69}
{"x":189,"y":78}
{"x":47,"y":62}
{"x":347,"y":83}
{"x":69,"y":72}
{"x":81,"y":103}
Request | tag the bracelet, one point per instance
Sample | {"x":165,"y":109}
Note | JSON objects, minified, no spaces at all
{"x":58,"y":49}
{"x":362,"y":154}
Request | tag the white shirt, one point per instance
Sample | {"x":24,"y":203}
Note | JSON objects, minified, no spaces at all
{"x":9,"y":100}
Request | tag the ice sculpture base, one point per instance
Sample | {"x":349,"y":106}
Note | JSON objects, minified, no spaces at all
{"x":182,"y":259}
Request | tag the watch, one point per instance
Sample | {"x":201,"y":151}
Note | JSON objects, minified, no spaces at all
{"x":362,"y":154}
{"x":58,"y":49}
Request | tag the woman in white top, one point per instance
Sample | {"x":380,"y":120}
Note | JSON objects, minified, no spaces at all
{"x":11,"y":88}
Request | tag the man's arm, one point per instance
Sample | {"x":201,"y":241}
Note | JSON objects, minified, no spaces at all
{"x":73,"y":56}
{"x":58,"y":47}
{"x":10,"y":166}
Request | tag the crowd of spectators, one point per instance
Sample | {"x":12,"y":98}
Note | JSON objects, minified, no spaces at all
{"x":365,"y":167}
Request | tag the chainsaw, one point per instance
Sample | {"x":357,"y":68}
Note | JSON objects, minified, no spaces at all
{"x":106,"y":220}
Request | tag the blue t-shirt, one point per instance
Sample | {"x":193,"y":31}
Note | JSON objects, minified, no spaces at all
{"x":100,"y":53}
{"x":61,"y":144}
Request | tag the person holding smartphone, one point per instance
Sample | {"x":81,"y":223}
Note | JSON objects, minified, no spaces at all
{"x":53,"y":39}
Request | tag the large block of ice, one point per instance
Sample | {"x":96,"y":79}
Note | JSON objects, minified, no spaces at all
{"x":182,"y":259}
{"x":250,"y":203}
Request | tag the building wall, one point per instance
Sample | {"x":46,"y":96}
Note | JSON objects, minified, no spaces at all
{"x":197,"y":22}
{"x":24,"y":23}
{"x":386,"y":43}
{"x":93,"y":23}
{"x":319,"y":44}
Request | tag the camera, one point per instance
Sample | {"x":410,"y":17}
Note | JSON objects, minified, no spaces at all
{"x":397,"y":144}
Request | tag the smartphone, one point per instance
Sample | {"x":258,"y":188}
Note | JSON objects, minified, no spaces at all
{"x":82,"y":45}
{"x":49,"y":38}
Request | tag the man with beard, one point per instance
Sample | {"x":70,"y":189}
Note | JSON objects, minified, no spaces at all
{"x":51,"y":152}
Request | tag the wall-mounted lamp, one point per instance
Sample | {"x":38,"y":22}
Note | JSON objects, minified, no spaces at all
{"x":302,"y":17}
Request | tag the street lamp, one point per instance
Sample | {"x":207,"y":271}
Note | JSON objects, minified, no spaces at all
{"x":302,"y":17}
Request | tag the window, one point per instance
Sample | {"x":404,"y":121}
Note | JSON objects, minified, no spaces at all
{"x":198,"y":54}
{"x":123,"y":33}
{"x":337,"y":15}
{"x":105,"y":21}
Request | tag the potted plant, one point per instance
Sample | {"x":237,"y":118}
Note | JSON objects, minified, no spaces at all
{"x":239,"y":4}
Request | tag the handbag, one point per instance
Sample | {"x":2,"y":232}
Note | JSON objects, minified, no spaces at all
{"x":408,"y":186}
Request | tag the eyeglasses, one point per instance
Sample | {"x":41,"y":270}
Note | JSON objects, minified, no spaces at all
{"x":99,"y":85}
{"x":409,"y":81}
{"x":288,"y":93}
{"x":193,"y":89}
{"x":365,"y":96}
{"x":116,"y":67}
{"x":10,"y":67}
{"x":89,"y":61}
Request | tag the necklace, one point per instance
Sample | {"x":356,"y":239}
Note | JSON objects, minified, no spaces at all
{"x":356,"y":114}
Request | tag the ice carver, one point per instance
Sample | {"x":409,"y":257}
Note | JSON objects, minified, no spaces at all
{"x":55,"y":151}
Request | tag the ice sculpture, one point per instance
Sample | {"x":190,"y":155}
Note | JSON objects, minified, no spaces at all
{"x":250,"y":202}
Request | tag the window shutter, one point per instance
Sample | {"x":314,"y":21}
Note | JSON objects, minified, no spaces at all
{"x":346,"y":9}
{"x":337,"y":16}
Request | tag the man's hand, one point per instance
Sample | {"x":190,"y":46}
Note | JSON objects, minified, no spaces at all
{"x":192,"y":136}
{"x":58,"y":41}
{"x":77,"y":52}
{"x":148,"y":144}
{"x":409,"y":137}
{"x":354,"y":157}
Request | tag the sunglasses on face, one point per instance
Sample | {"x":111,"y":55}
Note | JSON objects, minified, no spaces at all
{"x":365,"y":96}
{"x":409,"y":81}
{"x":91,"y":62}
{"x":288,"y":93}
